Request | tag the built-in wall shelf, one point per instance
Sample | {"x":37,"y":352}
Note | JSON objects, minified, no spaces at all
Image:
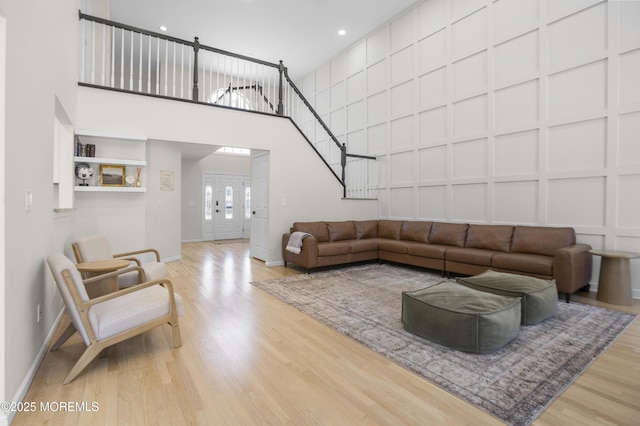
{"x":103,"y":160}
{"x":98,"y":134}
{"x":123,"y":154}
{"x":95,"y":188}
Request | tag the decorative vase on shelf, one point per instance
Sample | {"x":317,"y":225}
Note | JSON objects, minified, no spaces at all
{"x":138,"y":182}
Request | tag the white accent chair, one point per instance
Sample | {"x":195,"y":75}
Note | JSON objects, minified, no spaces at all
{"x":96,"y":247}
{"x":114,"y":317}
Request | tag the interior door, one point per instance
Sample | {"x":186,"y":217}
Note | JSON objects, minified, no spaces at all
{"x":259,"y":205}
{"x":229,"y":206}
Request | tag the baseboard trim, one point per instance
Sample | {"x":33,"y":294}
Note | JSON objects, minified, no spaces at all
{"x":7,"y":418}
{"x":172,"y":259}
{"x":274,"y":263}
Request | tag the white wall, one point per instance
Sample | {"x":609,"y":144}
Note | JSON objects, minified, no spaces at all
{"x":32,"y":87}
{"x":509,"y":111}
{"x":3,"y":53}
{"x":162,"y":222}
{"x":120,"y":216}
{"x":191,"y":202}
{"x":192,"y":187}
{"x":297,"y":175}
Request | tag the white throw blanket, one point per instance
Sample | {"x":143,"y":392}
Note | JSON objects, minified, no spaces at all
{"x":295,"y":241}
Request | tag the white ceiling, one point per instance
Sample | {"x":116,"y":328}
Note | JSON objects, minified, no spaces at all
{"x":302,"y":33}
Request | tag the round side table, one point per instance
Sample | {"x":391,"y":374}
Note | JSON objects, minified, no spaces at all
{"x":614,"y":285}
{"x":100,"y":267}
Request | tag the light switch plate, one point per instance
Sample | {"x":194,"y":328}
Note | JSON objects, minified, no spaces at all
{"x":28,"y":200}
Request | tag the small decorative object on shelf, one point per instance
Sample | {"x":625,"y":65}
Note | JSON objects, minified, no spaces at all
{"x":138,"y":182}
{"x":84,"y":171}
{"x":130,"y":179}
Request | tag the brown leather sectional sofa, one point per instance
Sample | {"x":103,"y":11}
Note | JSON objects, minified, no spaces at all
{"x":460,"y":248}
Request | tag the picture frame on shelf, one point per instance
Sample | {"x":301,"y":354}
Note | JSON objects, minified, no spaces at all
{"x":112,"y":175}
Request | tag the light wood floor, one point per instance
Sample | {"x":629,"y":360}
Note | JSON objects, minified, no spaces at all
{"x":247,"y":358}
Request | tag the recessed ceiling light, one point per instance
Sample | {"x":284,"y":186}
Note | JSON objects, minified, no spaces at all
{"x":163,"y":28}
{"x":342,"y":32}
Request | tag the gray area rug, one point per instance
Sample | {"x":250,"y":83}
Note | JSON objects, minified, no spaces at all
{"x":514,"y":384}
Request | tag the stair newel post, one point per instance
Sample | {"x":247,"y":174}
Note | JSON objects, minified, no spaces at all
{"x":196,"y":47}
{"x":343,"y":162}
{"x":280,"y":106}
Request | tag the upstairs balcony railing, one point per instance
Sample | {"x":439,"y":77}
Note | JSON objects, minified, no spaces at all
{"x":124,"y":58}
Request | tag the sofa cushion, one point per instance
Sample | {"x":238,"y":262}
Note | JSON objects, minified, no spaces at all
{"x":469,"y":255}
{"x":389,"y":229}
{"x":339,"y":231}
{"x":525,"y":263}
{"x":539,"y":297}
{"x":461,"y":318}
{"x":334,"y":248}
{"x":366,"y":228}
{"x":367,"y":244}
{"x":541,"y":240}
{"x":432,"y":251}
{"x":317,"y":229}
{"x":448,"y":234}
{"x":489,"y":237}
{"x":415,"y":231}
{"x":392,"y":245}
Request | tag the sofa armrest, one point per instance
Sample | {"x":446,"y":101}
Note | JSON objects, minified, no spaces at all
{"x":572,"y":267}
{"x":308,"y":256}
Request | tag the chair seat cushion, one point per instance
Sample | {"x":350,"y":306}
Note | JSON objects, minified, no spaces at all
{"x":131,"y":310}
{"x":152,"y":271}
{"x":155,"y":270}
{"x":539,"y":297}
{"x":461,"y":318}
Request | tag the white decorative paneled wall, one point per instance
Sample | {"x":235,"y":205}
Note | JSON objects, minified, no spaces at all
{"x":506,"y":111}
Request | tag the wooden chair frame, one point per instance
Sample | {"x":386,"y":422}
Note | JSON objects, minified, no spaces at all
{"x":96,"y":346}
{"x":129,"y":255}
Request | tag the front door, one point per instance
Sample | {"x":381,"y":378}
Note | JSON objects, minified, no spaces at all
{"x":230,"y":214}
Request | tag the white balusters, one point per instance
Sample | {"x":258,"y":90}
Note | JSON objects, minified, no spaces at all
{"x":140,"y":66}
{"x":122,"y":58}
{"x":93,"y":53}
{"x":131,"y":63}
{"x":104,"y":53}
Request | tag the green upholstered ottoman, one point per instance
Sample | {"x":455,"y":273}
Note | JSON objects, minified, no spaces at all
{"x":539,"y":297}
{"x":461,"y":318}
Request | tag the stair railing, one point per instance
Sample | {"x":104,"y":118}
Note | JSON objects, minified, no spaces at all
{"x":357,"y":172}
{"x":124,"y":58}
